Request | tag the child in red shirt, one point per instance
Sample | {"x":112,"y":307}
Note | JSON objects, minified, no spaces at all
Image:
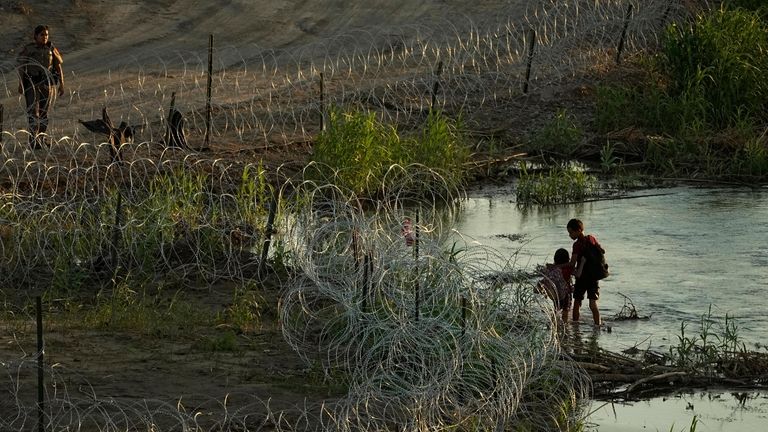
{"x":557,"y":282}
{"x":584,"y":284}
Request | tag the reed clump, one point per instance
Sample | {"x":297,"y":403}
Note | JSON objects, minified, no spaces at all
{"x":358,"y":150}
{"x":560,"y":184}
{"x":701,"y":100}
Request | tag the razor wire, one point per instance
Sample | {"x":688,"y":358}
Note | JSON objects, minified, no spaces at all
{"x":427,"y":334}
{"x":80,"y":409}
{"x":272,"y":98}
{"x":430,"y":334}
{"x":475,"y":347}
{"x":267,"y":99}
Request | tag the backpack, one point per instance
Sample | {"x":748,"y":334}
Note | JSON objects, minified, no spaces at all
{"x":595,"y":267}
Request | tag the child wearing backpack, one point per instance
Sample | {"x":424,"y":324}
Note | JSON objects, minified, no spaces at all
{"x":556,"y":282}
{"x":589,"y":267}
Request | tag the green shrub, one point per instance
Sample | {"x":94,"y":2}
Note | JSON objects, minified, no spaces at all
{"x":752,"y":158}
{"x":357,"y":150}
{"x":245,"y":311}
{"x":720,"y":57}
{"x":561,"y":135}
{"x":559,"y":185}
{"x":703,"y":98}
{"x":440,"y":146}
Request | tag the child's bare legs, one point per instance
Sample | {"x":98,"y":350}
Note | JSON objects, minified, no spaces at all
{"x":565,"y":315}
{"x":576,"y":306}
{"x":595,"y":311}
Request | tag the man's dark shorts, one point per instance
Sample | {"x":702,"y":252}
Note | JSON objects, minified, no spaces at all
{"x":590,"y":287}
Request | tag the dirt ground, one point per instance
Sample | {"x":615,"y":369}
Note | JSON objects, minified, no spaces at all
{"x":181,"y":366}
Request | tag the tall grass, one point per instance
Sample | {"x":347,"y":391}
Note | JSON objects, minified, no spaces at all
{"x":709,"y":348}
{"x":702,"y":99}
{"x":758,"y":6}
{"x":357,"y":150}
{"x":131,"y":307}
{"x":720,"y":57}
{"x":560,"y":136}
{"x":559,"y":185}
{"x":176,"y":222}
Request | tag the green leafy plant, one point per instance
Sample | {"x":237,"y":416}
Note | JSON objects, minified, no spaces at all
{"x":357,"y":151}
{"x":560,"y":135}
{"x":721,"y":57}
{"x":440,"y":146}
{"x":561,"y":184}
{"x":607,"y":159}
{"x":225,"y":341}
{"x":244,"y":312}
{"x":356,"y":148}
{"x":702,"y":98}
{"x":710,"y":347}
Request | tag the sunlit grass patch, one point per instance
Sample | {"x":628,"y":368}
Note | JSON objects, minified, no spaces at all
{"x":702,"y":98}
{"x":559,"y":185}
{"x":357,"y":151}
{"x":126,"y":309}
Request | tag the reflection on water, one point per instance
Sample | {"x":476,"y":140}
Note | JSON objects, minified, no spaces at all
{"x":715,"y":411}
{"x":580,"y":338}
{"x":673,"y":254}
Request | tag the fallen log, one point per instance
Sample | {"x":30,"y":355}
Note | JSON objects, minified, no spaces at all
{"x":652,"y":378}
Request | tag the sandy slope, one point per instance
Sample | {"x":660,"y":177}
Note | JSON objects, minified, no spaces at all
{"x":105,"y":43}
{"x":105,"y":34}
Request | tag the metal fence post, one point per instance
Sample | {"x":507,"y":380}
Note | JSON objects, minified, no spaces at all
{"x":531,"y":46}
{"x":623,"y":34}
{"x":208,"y":95}
{"x":40,"y":370}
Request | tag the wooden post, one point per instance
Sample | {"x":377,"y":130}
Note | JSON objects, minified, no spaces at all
{"x":623,"y":34}
{"x":116,"y":231}
{"x":417,"y":288}
{"x":208,"y":96}
{"x":268,"y":234}
{"x":436,"y":85}
{"x":531,"y":46}
{"x":322,"y":102}
{"x":2,"y":111}
{"x":366,"y":281}
{"x":463,"y":315}
{"x":40,"y":370}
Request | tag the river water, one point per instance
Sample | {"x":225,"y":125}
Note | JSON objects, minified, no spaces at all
{"x":679,"y":254}
{"x":674,"y":252}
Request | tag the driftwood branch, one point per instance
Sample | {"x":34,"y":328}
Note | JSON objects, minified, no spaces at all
{"x":660,"y":377}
